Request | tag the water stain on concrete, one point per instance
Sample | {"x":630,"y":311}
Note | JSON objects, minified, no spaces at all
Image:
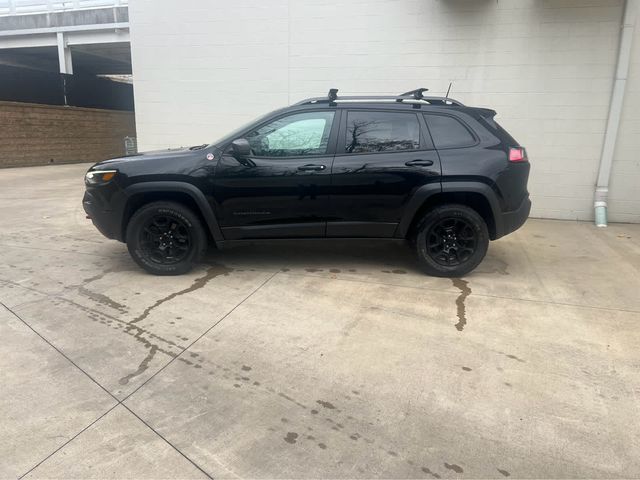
{"x":291,"y":437}
{"x":292,"y":400}
{"x":454,"y":467}
{"x":493,"y":265}
{"x":246,"y":368}
{"x":465,"y":291}
{"x":102,"y":299}
{"x":328,"y":405}
{"x":99,"y":297}
{"x":322,"y":446}
{"x":513,"y":357}
{"x":429,"y":472}
{"x":142,"y":367}
{"x":117,"y":324}
{"x":212,"y":272}
{"x":346,"y":331}
{"x":466,"y":369}
{"x":504,"y":472}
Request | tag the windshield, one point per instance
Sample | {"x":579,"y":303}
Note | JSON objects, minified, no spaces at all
{"x":234,"y":134}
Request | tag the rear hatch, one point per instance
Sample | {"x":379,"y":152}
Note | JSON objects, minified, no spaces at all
{"x":513,"y":181}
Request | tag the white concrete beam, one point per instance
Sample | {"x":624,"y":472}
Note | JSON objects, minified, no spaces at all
{"x":64,"y":55}
{"x":71,"y":38}
{"x":47,"y":40}
{"x":71,"y":28}
{"x":88,"y":38}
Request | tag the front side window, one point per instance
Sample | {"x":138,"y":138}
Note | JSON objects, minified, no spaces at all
{"x":369,"y":132}
{"x":447,"y":132}
{"x":293,"y":136}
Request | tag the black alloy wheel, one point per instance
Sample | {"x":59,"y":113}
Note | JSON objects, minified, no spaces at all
{"x":451,"y":241}
{"x":165,"y":239}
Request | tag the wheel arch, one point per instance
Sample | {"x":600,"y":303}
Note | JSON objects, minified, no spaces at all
{"x":475,"y":195}
{"x":141,"y":194}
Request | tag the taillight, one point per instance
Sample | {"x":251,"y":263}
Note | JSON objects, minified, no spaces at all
{"x":517,"y":154}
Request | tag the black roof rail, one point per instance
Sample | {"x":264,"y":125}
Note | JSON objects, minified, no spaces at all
{"x":412,"y":96}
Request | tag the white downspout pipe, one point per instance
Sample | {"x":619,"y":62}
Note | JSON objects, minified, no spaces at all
{"x":615,"y":112}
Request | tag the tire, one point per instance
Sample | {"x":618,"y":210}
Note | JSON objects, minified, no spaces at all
{"x":451,"y":240}
{"x":166,"y":238}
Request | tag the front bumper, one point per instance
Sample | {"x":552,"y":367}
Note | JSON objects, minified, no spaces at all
{"x":105,"y":211}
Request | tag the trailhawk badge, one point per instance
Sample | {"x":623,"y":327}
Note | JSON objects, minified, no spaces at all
{"x":210,"y":156}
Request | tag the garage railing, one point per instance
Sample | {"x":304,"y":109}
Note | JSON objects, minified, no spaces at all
{"x":15,"y":7}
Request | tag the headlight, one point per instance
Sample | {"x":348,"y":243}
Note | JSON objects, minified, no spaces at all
{"x":99,"y":177}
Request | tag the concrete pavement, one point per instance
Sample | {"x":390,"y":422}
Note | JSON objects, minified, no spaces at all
{"x":312,"y":359}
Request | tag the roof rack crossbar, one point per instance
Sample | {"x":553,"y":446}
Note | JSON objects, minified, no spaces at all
{"x":411,"y":96}
{"x":417,"y":93}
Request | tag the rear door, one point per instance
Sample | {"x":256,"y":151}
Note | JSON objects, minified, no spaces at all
{"x":382,"y":158}
{"x":282,"y":188}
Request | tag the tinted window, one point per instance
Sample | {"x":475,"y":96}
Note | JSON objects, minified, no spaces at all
{"x":381,"y":132}
{"x":295,"y":135}
{"x":447,"y":132}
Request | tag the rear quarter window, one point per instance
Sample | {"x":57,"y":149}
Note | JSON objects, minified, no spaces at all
{"x":498,"y":131}
{"x":448,"y":132}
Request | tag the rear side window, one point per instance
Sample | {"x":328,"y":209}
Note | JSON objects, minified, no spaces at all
{"x":369,"y":132}
{"x":448,"y":132}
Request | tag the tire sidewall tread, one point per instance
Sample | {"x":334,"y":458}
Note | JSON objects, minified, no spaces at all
{"x":182,"y":212}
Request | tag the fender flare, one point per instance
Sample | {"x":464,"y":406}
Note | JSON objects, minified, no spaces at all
{"x":418,"y":199}
{"x":183,"y":187}
{"x":426,"y":191}
{"x":488,"y":193}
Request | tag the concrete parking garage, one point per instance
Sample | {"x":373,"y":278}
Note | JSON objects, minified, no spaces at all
{"x":319,"y":359}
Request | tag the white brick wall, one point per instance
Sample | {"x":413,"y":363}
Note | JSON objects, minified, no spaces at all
{"x":546,"y":66}
{"x":624,"y":188}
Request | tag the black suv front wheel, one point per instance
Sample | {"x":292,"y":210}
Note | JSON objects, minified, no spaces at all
{"x":451,"y":240}
{"x":166,"y":238}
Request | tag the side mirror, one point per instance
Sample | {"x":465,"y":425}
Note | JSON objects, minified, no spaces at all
{"x":241,"y":148}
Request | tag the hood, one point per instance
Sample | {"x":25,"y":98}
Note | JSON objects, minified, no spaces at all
{"x":167,"y":154}
{"x":179,"y":163}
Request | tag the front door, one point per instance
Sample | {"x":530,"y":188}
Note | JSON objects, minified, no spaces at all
{"x":382,"y":158}
{"x":281,"y":189}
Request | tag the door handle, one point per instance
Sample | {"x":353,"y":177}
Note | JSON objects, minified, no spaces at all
{"x":311,"y":167}
{"x":419,"y":162}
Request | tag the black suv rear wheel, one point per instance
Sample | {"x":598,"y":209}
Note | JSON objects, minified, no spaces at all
{"x":166,"y":238}
{"x":451,"y":240}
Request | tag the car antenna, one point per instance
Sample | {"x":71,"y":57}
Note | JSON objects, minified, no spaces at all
{"x":448,"y":90}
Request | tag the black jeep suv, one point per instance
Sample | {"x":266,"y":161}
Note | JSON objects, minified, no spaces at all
{"x":442,"y":175}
